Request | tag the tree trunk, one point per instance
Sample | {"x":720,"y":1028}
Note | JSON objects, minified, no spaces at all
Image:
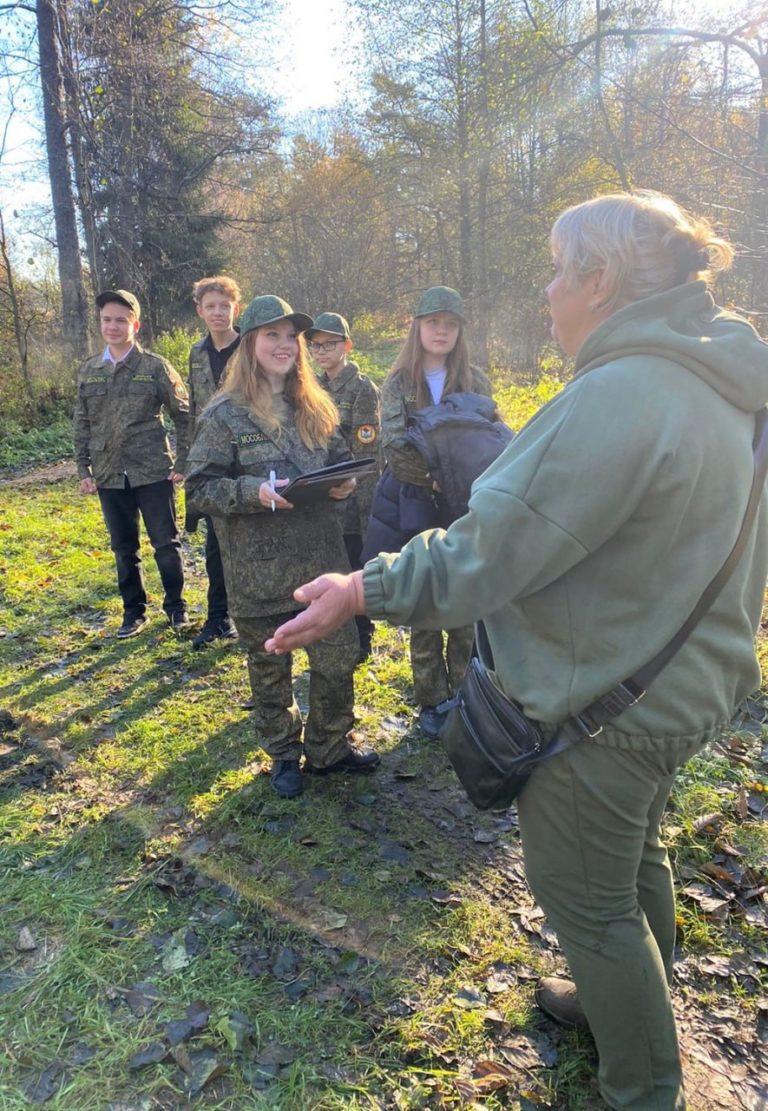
{"x":759,"y":204}
{"x":74,"y":303}
{"x":79,"y":148}
{"x":19,"y":331}
{"x":464,"y":155}
{"x":482,"y":310}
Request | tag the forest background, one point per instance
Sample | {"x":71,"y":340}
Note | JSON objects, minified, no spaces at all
{"x":169,"y":930}
{"x":463,"y":127}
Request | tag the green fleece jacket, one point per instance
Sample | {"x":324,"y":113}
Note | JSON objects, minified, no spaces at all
{"x":591,"y":538}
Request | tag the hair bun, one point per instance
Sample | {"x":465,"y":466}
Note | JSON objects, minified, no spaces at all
{"x":689,"y":259}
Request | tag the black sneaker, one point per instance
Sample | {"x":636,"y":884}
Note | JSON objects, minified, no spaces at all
{"x":178,"y":620}
{"x":286,"y":778}
{"x":430,"y":722}
{"x":362,"y":759}
{"x":217,"y":628}
{"x":131,"y":626}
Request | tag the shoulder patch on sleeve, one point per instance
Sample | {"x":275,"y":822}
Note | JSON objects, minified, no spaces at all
{"x":366,"y":434}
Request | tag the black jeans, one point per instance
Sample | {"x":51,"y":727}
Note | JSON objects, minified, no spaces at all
{"x":217,"y":590}
{"x":156,"y":502}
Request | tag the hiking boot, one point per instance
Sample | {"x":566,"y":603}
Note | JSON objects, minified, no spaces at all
{"x":362,"y":759}
{"x":285,"y":777}
{"x":178,"y":620}
{"x":558,"y":998}
{"x":131,"y":626}
{"x":216,"y":628}
{"x":430,"y":722}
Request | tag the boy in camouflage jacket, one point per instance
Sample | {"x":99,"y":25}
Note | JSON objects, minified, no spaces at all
{"x":357,"y":399}
{"x":123,"y":455}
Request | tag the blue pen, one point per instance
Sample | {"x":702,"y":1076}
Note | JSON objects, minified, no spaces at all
{"x":272,"y":486}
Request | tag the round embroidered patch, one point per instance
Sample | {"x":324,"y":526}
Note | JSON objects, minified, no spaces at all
{"x":366,"y":433}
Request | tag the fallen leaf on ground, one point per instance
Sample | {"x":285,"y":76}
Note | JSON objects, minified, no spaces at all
{"x":205,"y":1066}
{"x":469,"y":998}
{"x":47,"y":1084}
{"x":150,"y":1055}
{"x":236,"y":1029}
{"x":491,"y":1076}
{"x":25,"y":943}
{"x":179,"y":951}
{"x":709,"y":823}
{"x":142,"y":997}
{"x":496,"y":1021}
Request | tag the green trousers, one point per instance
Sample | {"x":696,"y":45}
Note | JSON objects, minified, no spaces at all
{"x":276,"y":715}
{"x":436,"y":676}
{"x":589,"y":821}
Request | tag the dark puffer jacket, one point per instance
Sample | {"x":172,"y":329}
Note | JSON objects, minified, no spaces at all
{"x":458,"y":439}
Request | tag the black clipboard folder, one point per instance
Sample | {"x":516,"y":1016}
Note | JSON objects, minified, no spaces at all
{"x":314,"y":485}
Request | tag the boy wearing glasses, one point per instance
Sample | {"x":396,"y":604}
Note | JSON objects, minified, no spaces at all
{"x":357,"y":399}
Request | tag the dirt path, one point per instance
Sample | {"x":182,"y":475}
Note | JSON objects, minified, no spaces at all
{"x":49,"y":472}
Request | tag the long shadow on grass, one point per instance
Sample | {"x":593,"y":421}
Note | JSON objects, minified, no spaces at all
{"x":126,"y":704}
{"x":360,"y":865}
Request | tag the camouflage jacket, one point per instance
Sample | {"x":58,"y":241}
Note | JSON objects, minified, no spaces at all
{"x":200,"y":383}
{"x":118,"y":421}
{"x":266,"y":555}
{"x":357,"y":400}
{"x":398,"y":404}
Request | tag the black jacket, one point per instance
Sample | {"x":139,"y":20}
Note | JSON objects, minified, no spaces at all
{"x":458,"y":439}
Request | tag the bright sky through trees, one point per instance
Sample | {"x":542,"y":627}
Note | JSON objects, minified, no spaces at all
{"x":312,"y":46}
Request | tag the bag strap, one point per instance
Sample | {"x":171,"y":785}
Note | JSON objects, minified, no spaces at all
{"x":590,"y":721}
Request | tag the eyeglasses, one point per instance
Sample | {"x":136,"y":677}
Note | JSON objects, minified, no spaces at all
{"x":323,"y":348}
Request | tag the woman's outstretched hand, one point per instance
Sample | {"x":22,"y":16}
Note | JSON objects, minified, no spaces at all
{"x":330,"y":600}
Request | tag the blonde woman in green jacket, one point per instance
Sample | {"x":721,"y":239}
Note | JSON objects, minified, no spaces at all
{"x":586,"y":545}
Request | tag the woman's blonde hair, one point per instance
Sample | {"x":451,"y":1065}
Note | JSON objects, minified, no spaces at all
{"x":247,"y":384}
{"x":644,"y":243}
{"x":409,"y":364}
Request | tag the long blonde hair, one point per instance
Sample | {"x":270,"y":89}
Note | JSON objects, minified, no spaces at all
{"x":644,"y":243}
{"x":246,"y":383}
{"x":409,"y":365}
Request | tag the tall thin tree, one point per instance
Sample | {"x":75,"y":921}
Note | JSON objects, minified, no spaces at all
{"x":74,"y":302}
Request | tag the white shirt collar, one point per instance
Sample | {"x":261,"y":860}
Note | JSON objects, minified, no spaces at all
{"x":108,"y":357}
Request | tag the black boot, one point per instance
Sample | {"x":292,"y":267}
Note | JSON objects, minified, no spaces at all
{"x":286,"y":778}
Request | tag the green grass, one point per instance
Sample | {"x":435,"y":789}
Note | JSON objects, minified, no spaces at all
{"x":30,"y":445}
{"x":354,"y":929}
{"x":128,"y":754}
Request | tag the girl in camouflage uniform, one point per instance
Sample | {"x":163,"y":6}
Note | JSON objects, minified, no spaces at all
{"x":432,"y":363}
{"x":271,"y":422}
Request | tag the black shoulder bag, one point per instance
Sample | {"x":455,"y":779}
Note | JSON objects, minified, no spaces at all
{"x":495,"y":748}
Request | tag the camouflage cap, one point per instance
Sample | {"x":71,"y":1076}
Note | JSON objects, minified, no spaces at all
{"x":123,"y":297}
{"x":331,"y":322}
{"x":440,"y":298}
{"x":266,"y":310}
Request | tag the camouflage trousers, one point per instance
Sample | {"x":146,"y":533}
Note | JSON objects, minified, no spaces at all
{"x":436,"y":676}
{"x":276,"y":715}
